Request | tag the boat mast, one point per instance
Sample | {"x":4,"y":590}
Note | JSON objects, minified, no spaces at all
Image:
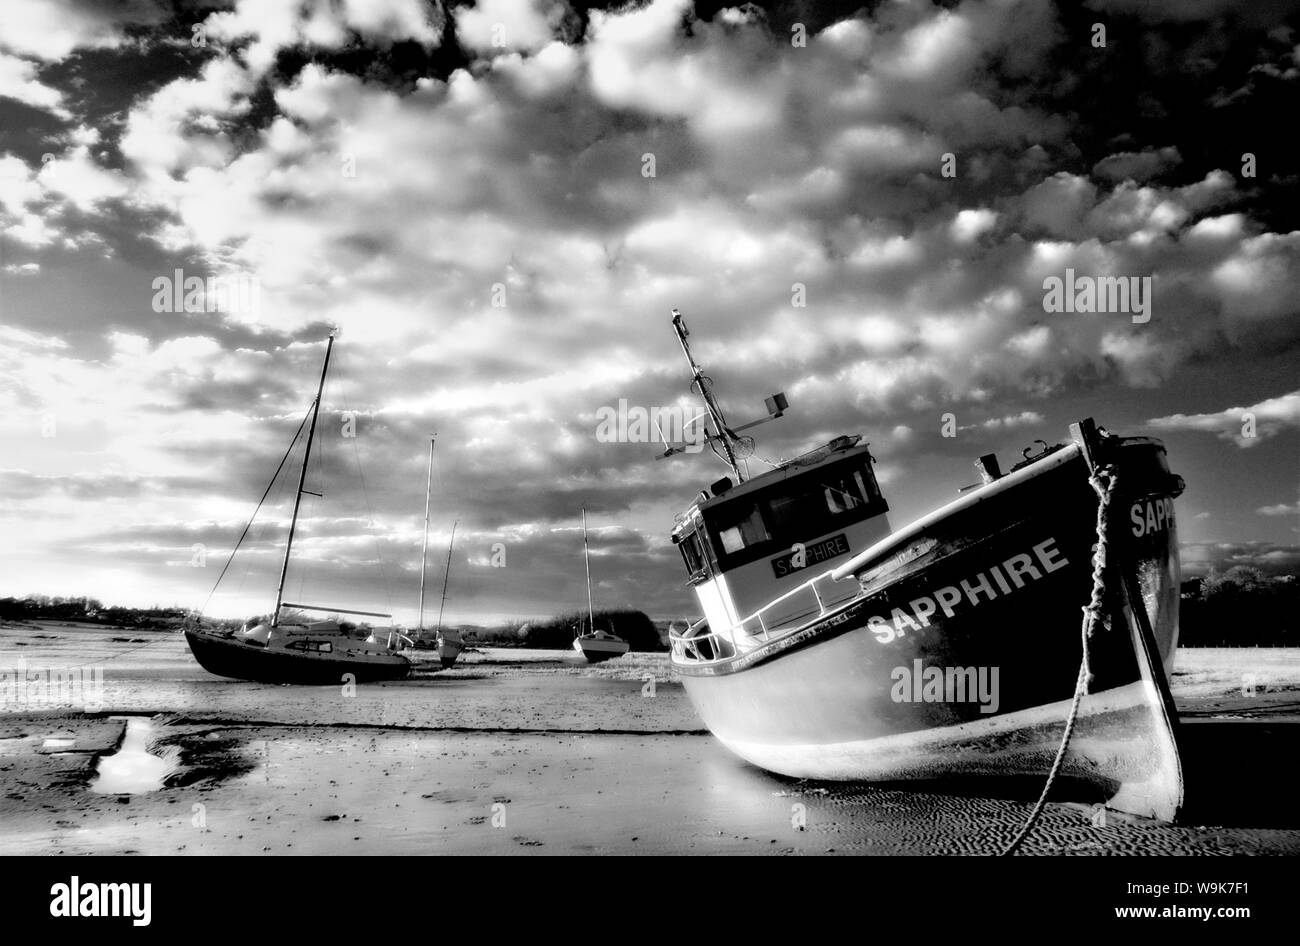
{"x":446,"y":575}
{"x":424,"y":549}
{"x":723,"y":433}
{"x":302,"y":482}
{"x":586,"y":560}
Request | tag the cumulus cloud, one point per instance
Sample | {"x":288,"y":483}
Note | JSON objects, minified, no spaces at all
{"x":51,"y":29}
{"x":495,"y":26}
{"x":1244,"y":426}
{"x":261,"y":29}
{"x":500,"y":241}
{"x":1136,"y":166}
{"x":1280,"y":509}
{"x":1008,"y":422}
{"x":1272,"y":558}
{"x":18,"y":81}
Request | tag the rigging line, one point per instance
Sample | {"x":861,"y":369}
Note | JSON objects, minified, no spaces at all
{"x":260,"y":531}
{"x":249,"y":524}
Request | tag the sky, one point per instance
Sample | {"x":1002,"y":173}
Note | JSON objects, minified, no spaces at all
{"x":497,"y":207}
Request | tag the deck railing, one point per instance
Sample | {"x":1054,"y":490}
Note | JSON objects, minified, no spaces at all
{"x":687,"y":645}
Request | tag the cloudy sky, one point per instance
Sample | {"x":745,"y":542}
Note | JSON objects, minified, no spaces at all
{"x":466,"y":194}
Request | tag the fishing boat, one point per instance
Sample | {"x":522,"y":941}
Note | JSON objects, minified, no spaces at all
{"x":595,"y":645}
{"x":447,"y":641}
{"x":294,"y":650}
{"x":1027,"y":627}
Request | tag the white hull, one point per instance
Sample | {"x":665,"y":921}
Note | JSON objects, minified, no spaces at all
{"x":449,"y":649}
{"x":601,"y":648}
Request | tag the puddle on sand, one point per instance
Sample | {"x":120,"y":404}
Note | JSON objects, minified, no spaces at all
{"x":132,"y":769}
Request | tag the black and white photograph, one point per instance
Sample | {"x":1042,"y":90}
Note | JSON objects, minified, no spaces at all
{"x":666,"y":427}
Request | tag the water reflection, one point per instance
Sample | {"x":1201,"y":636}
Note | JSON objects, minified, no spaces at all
{"x":133,"y":769}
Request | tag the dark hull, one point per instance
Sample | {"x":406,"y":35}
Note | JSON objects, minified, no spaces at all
{"x":596,"y":657}
{"x":854,"y":694}
{"x":240,"y":661}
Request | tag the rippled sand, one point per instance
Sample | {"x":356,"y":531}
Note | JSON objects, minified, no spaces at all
{"x":519,"y":752}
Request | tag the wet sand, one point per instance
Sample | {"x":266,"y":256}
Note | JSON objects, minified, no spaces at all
{"x":536,"y":752}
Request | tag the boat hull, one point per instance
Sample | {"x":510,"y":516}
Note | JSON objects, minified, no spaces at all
{"x":963,"y":659}
{"x":598,"y":649}
{"x":227,"y":657}
{"x":448,"y":650}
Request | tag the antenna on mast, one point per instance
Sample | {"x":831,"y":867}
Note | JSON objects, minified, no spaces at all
{"x":728,"y":437}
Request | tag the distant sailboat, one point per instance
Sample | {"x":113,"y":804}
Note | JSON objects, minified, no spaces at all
{"x":596,"y":645}
{"x":317,"y":652}
{"x":448,"y":642}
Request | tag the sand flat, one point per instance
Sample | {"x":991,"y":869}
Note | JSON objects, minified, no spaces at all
{"x":535,"y":752}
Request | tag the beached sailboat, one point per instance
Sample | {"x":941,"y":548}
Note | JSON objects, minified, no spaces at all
{"x":447,"y":642}
{"x":315,"y":652}
{"x":833,"y":647}
{"x":595,"y":645}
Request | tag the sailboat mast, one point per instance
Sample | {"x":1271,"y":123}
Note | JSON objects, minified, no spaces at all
{"x":446,"y":575}
{"x":715,"y":411}
{"x":586,"y":560}
{"x":302,"y":482}
{"x":424,"y":549}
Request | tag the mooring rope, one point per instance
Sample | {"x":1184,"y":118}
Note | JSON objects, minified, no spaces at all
{"x":1103,"y":483}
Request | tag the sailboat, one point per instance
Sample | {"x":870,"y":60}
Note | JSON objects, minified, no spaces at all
{"x":447,"y":642}
{"x":278,"y":651}
{"x":595,"y":645}
{"x":1028,"y":627}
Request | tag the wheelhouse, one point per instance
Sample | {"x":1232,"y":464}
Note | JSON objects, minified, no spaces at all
{"x":745,"y":545}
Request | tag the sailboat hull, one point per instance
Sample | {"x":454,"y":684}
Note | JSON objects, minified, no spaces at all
{"x":449,"y":649}
{"x":598,"y":649}
{"x":961,"y":654}
{"x":227,"y":657}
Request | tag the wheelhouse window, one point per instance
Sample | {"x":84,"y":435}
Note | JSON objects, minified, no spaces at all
{"x":796,"y":510}
{"x":741,"y":527}
{"x":824,"y":504}
{"x":693,"y":555}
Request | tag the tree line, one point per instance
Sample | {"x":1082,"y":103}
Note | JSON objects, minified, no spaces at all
{"x":1239,"y":607}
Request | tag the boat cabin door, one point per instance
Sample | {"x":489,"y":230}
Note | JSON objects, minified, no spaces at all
{"x":704,"y":574}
